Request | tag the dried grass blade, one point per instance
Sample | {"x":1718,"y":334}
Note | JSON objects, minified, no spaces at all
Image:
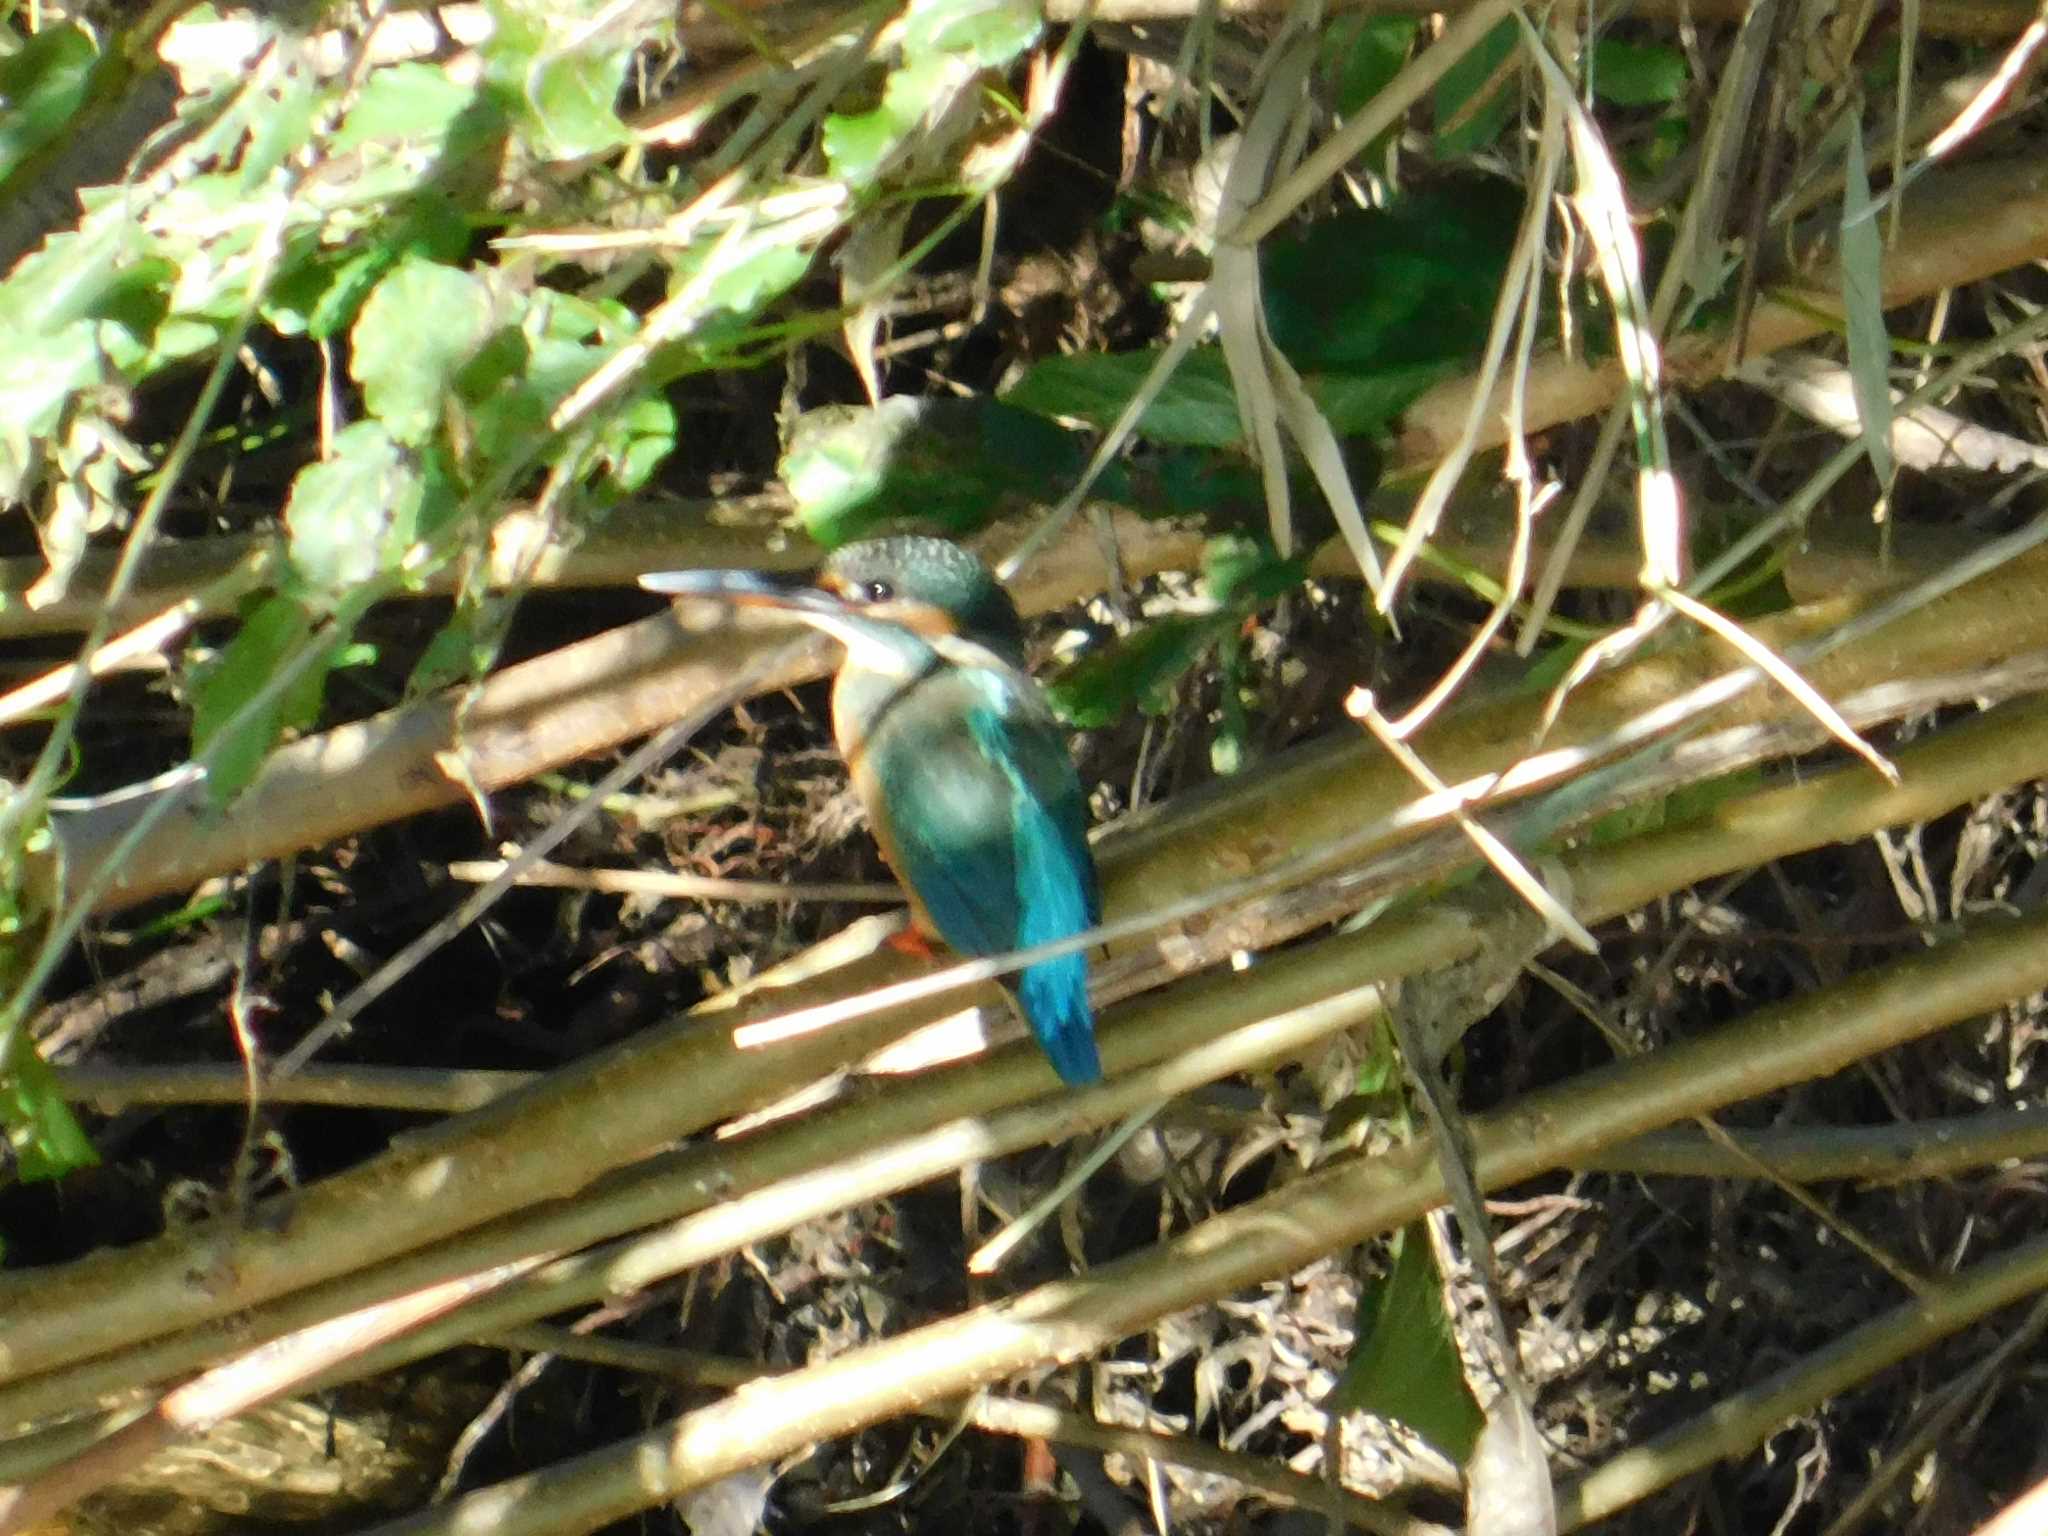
{"x":1781,"y":672}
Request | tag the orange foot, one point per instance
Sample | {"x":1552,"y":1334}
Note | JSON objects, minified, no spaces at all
{"x":912,"y":942}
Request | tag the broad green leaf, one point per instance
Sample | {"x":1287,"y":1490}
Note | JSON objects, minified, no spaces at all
{"x":944,"y":41}
{"x":838,"y":457}
{"x":1027,"y":452}
{"x":403,"y":102}
{"x":222,"y":686}
{"x":857,"y":147}
{"x":1197,"y":407}
{"x":321,"y":291}
{"x":1638,"y":74}
{"x":602,"y":322}
{"x":559,"y":65}
{"x":500,"y":363}
{"x":38,"y":376}
{"x":506,"y":423}
{"x":352,"y":516}
{"x":1241,"y":574}
{"x":1368,"y":404}
{"x":1476,"y":95}
{"x":438,"y":504}
{"x":418,"y":328}
{"x":1246,"y":573}
{"x":1870,"y":348}
{"x":1363,"y":54}
{"x":764,"y":276}
{"x":1197,"y":482}
{"x":78,"y":315}
{"x":1405,"y":1364}
{"x":637,"y":439}
{"x":571,"y":96}
{"x":458,"y":653}
{"x":989,"y":32}
{"x":1140,"y":669}
{"x":72,"y":277}
{"x":279,"y":127}
{"x":856,"y":143}
{"x":1369,"y":291}
{"x":43,"y":1135}
{"x":948,"y":466}
{"x":41,"y":85}
{"x":513,"y":394}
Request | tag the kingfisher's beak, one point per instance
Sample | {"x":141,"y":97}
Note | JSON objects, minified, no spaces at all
{"x":792,"y":593}
{"x":890,"y":639}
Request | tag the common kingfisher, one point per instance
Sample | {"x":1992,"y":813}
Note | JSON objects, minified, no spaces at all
{"x":956,"y":755}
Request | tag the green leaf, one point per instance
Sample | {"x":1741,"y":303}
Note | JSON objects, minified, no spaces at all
{"x":38,"y":376}
{"x":353,"y":516}
{"x":1405,"y":1365}
{"x":1870,"y":347}
{"x":559,"y":64}
{"x":321,"y":291}
{"x":1379,"y":1073}
{"x":571,"y":97}
{"x":280,"y":126}
{"x":1667,"y":140}
{"x":1363,"y":54}
{"x":406,"y":101}
{"x":222,"y":686}
{"x":914,"y":89}
{"x":637,"y":439}
{"x":1196,"y":408}
{"x":765,"y":275}
{"x":79,"y":315}
{"x":73,"y":277}
{"x":419,"y":327}
{"x":1476,"y":96}
{"x":1198,"y":482}
{"x":989,"y":32}
{"x":1368,"y":404}
{"x":458,"y":653}
{"x":1373,"y":290}
{"x":1638,"y":74}
{"x":939,"y":38}
{"x":949,"y":466}
{"x":42,"y":1133}
{"x":856,"y":143}
{"x":1245,"y":573}
{"x":514,"y":383}
{"x":41,"y":86}
{"x":1141,"y":669}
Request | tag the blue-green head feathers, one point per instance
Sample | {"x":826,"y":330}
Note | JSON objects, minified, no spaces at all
{"x":910,"y":572}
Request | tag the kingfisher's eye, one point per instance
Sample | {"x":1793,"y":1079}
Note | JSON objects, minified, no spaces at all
{"x":877,"y":591}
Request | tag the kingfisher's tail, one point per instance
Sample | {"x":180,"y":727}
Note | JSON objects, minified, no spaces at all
{"x":1054,"y":994}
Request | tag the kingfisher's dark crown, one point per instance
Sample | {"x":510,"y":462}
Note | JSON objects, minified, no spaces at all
{"x":912,"y":568}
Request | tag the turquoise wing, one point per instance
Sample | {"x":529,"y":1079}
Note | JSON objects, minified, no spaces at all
{"x":988,"y":826}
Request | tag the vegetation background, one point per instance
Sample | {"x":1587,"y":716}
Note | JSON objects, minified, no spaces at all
{"x":1535,"y":516}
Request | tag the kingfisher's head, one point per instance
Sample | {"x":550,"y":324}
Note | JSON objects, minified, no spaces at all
{"x":875,"y":593}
